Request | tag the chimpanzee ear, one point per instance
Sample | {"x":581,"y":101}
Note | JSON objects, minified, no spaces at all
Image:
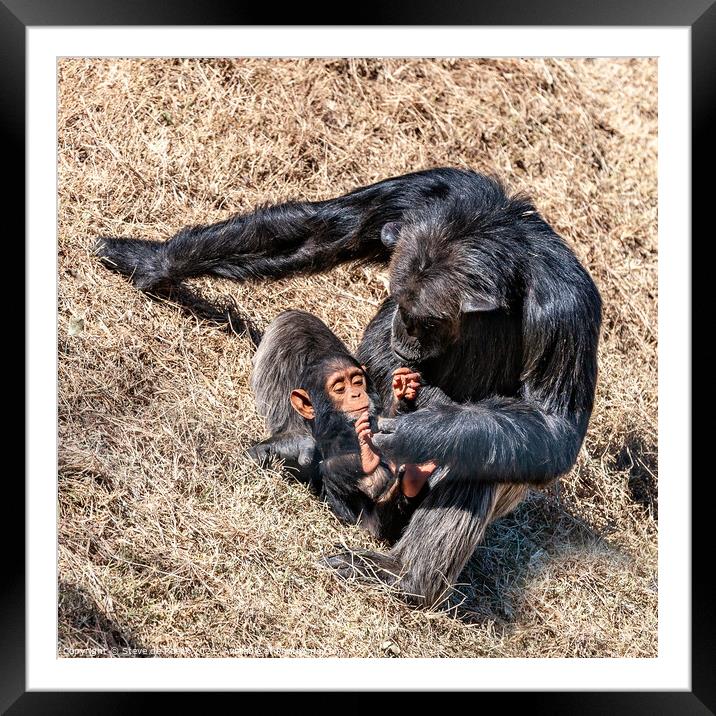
{"x":474,"y":304}
{"x":389,"y":233}
{"x":301,"y":403}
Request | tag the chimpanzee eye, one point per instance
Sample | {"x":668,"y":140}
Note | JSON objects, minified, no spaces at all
{"x":339,"y":388}
{"x":427,"y":324}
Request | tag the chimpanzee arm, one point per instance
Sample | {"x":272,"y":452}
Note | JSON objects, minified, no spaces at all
{"x":536,"y":435}
{"x":298,"y":446}
{"x":500,"y":439}
{"x":280,"y":240}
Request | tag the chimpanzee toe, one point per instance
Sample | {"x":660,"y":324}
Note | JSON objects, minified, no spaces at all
{"x":364,"y":566}
{"x":343,"y":564}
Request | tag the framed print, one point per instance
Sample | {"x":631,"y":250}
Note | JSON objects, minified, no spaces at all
{"x":557,"y":155}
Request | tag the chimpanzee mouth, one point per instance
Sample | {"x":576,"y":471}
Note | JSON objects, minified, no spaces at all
{"x":404,"y":358}
{"x":358,"y":411}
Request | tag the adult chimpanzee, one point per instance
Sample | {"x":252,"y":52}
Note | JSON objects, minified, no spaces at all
{"x":321,"y":411}
{"x":486,"y":301}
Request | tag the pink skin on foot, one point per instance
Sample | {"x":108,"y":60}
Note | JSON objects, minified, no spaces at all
{"x":415,"y":476}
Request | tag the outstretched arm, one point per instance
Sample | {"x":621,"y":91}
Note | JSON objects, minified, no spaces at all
{"x":280,"y":240}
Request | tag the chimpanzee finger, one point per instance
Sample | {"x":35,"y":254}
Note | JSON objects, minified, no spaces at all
{"x":305,"y":455}
{"x":383,"y":441}
{"x":387,"y":425}
{"x":259,"y":453}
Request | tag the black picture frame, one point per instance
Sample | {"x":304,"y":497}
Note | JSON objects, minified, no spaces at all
{"x":699,"y":15}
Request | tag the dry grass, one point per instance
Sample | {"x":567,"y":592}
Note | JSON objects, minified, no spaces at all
{"x":170,"y":540}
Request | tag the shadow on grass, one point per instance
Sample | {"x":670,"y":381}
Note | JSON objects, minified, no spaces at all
{"x":86,"y":631}
{"x":516,"y":549}
{"x":640,"y":460}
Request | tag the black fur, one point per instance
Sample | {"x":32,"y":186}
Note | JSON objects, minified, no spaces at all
{"x":487,"y":302}
{"x":299,"y":351}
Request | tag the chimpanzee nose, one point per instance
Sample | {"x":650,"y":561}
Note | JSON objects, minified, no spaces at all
{"x":410,"y":326}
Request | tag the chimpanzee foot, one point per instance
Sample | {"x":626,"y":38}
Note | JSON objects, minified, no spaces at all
{"x":138,"y":259}
{"x":291,"y":447}
{"x":364,"y":566}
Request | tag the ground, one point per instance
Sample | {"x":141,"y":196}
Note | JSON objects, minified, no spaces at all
{"x":170,"y":539}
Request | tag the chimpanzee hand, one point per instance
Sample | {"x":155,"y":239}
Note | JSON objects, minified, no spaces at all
{"x":363,"y":430}
{"x":387,"y":425}
{"x":397,"y":440}
{"x":385,"y":439}
{"x":297,"y":447}
{"x":368,"y":454}
{"x":406,"y":384}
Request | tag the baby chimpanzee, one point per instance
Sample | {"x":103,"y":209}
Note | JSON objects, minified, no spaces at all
{"x":318,"y":403}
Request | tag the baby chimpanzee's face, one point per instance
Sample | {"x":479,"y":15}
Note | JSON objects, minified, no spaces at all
{"x":346,"y":387}
{"x":334,"y":387}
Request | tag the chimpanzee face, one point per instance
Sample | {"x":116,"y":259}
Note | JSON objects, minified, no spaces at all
{"x":346,"y":387}
{"x":435,"y":279}
{"x":332,"y":386}
{"x":418,"y":336}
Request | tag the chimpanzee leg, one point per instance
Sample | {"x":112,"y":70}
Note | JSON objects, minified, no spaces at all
{"x":445,"y":531}
{"x":280,"y":240}
{"x":439,"y":539}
